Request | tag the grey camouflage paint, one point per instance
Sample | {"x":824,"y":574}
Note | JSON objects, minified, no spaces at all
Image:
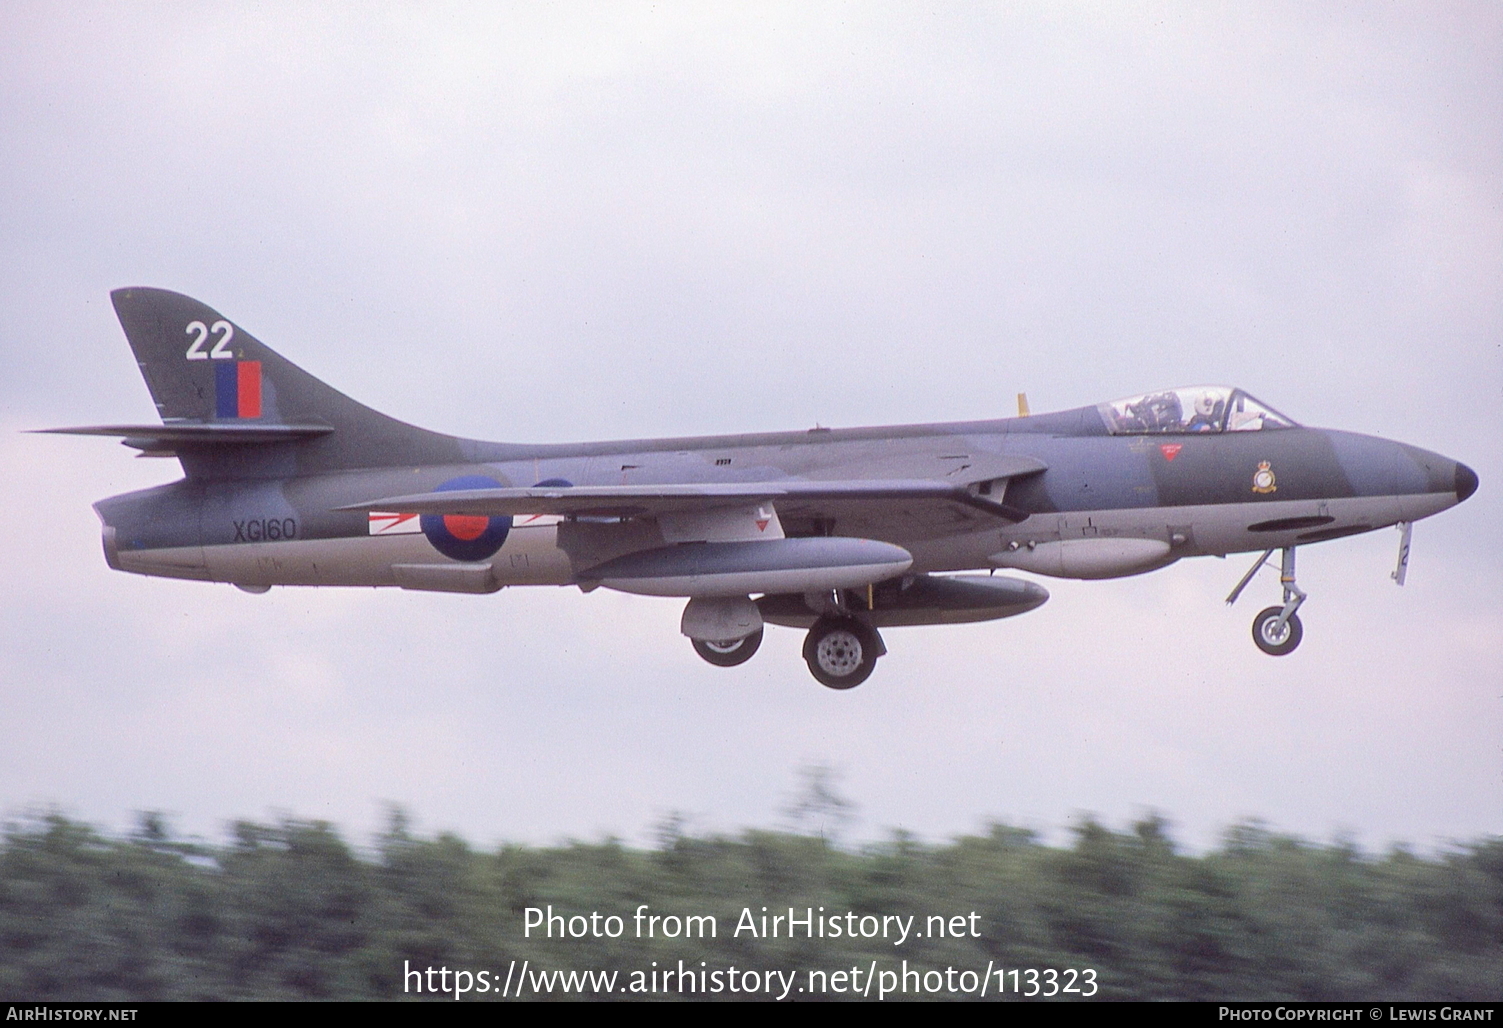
{"x":267,"y":513}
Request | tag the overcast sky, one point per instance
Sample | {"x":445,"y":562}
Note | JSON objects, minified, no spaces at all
{"x":548,"y":223}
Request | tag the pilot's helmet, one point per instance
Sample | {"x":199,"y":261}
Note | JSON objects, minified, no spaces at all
{"x":1205,"y":404}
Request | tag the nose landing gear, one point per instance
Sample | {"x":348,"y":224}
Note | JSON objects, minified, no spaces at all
{"x":1277,"y":631}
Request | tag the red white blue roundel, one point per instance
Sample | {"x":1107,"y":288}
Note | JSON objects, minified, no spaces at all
{"x":466,"y":536}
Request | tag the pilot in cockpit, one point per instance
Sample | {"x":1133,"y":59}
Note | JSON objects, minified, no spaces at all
{"x":1208,"y":410}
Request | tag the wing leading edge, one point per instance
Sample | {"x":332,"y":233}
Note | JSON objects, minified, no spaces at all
{"x":650,"y":500}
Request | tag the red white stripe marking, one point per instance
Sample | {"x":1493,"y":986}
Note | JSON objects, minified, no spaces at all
{"x":384,"y":523}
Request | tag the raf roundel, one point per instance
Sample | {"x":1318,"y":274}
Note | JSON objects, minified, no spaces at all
{"x":466,"y":536}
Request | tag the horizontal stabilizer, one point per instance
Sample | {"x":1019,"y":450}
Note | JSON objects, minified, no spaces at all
{"x":649,"y":500}
{"x":155,"y":437}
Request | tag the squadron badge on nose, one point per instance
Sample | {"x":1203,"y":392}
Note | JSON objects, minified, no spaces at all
{"x":1263,"y":480}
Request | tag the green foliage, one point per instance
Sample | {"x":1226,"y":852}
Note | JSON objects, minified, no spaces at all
{"x":290,"y":911}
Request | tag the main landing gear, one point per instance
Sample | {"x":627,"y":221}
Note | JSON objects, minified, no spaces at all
{"x":725,"y":630}
{"x":1276,"y":630}
{"x":842,"y":651}
{"x":728,"y":653}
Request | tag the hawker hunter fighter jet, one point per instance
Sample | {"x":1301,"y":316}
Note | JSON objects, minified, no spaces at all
{"x":841,"y":532}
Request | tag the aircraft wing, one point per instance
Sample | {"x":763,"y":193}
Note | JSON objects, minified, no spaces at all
{"x":806,"y":497}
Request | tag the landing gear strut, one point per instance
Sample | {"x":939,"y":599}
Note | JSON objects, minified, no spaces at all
{"x":842,"y":651}
{"x":1277,"y":631}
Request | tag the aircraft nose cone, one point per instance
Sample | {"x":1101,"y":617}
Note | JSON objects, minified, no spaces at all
{"x":1466,"y":481}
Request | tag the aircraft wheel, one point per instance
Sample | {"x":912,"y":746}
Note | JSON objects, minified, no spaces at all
{"x":730,"y":652}
{"x":1270,"y":639}
{"x":841,"y":652}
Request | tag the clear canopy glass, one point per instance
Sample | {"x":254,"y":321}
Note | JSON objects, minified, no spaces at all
{"x":1191,"y":409}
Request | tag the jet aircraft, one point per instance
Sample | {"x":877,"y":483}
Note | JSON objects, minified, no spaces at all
{"x":841,"y":532}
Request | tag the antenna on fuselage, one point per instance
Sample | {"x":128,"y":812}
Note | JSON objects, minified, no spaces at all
{"x":1022,"y":405}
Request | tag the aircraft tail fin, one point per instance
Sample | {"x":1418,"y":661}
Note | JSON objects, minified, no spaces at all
{"x":204,"y":370}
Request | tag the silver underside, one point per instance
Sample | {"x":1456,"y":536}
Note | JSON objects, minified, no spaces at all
{"x":532,"y":554}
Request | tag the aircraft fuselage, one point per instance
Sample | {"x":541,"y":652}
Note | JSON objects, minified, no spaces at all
{"x":1194,"y":494}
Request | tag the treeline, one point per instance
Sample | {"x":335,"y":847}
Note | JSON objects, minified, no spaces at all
{"x":291,"y":911}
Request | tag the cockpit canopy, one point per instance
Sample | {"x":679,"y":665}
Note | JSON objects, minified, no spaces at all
{"x":1191,"y":409}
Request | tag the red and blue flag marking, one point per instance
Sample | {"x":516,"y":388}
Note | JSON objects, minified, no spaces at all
{"x":237,"y":390}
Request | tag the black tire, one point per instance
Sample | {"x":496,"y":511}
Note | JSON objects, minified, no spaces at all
{"x":729,"y":653}
{"x":841,"y":652}
{"x":1276,"y":645}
